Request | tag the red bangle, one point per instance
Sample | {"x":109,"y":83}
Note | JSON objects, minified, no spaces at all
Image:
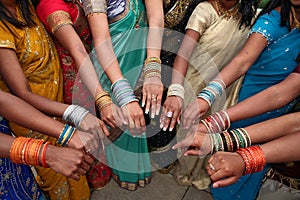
{"x":43,"y":155}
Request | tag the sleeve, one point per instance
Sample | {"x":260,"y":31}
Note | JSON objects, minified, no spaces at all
{"x":94,"y":6}
{"x":54,"y":14}
{"x":201,"y":18}
{"x":267,"y":25}
{"x":7,"y":39}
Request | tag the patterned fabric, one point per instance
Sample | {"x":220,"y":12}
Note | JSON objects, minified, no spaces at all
{"x":55,"y":14}
{"x":275,"y":63}
{"x":211,"y":54}
{"x":17,"y":181}
{"x":127,"y":156}
{"x":40,"y":64}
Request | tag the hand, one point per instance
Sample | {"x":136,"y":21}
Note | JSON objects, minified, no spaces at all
{"x":135,"y":118}
{"x":225,"y":168}
{"x":68,"y":161}
{"x":171,"y":112}
{"x":112,"y":116}
{"x":194,"y":111}
{"x":93,"y":125}
{"x":152,"y":95}
{"x":196,"y":143}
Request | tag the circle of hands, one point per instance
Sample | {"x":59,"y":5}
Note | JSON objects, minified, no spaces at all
{"x":94,"y":131}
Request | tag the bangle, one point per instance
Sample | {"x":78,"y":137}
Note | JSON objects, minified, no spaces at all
{"x":74,"y":114}
{"x":123,"y":92}
{"x":153,"y":59}
{"x":43,"y":155}
{"x":102,"y":100}
{"x":176,"y":90}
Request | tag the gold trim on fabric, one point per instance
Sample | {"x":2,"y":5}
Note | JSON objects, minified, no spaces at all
{"x":131,"y":186}
{"x":94,"y":6}
{"x":58,"y":19}
{"x":7,"y":44}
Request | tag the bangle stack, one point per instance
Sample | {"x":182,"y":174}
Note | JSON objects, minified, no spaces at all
{"x":254,"y":159}
{"x":29,"y":151}
{"x":66,"y":135}
{"x":152,"y":67}
{"x":123,"y":92}
{"x":229,"y":140}
{"x":74,"y":114}
{"x":102,"y":100}
{"x":176,"y":90}
{"x":217,"y":122}
{"x":214,"y":89}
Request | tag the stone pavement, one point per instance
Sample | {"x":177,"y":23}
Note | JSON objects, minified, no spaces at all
{"x":162,"y":186}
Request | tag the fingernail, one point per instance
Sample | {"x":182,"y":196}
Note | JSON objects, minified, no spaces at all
{"x":143,"y":104}
{"x":173,"y":147}
{"x":161,"y":125}
{"x":165,"y":128}
{"x":146,"y":111}
{"x":170,"y":129}
{"x":157,"y":112}
{"x":185,"y":154}
{"x":152,"y":115}
{"x":178,"y":121}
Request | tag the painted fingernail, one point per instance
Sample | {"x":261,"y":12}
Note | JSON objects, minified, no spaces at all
{"x":143,"y":104}
{"x":170,"y":129}
{"x":146,"y":111}
{"x":161,"y":125}
{"x":157,"y":112}
{"x":152,"y":115}
{"x":165,"y":128}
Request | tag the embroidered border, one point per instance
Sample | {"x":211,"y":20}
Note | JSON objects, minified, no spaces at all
{"x":58,"y":19}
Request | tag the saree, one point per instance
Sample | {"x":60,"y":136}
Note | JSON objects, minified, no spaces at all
{"x":55,"y":14}
{"x":40,"y":64}
{"x":210,"y":55}
{"x":274,"y":64}
{"x":127,"y":156}
{"x":17,"y":181}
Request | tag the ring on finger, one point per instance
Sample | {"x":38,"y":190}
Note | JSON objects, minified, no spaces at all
{"x":169,"y":114}
{"x":212,"y":167}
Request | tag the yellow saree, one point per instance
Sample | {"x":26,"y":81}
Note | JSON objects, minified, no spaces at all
{"x":39,"y":61}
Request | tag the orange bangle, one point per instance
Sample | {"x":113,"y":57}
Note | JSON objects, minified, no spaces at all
{"x":43,"y":155}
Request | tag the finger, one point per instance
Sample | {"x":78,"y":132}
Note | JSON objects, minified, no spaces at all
{"x":144,"y":97}
{"x":225,"y":182}
{"x":138,"y":129}
{"x":174,"y":119}
{"x":153,"y":105}
{"x":121,"y":117}
{"x":104,"y":129}
{"x":168,"y":118}
{"x":193,"y":153}
{"x":89,"y":160}
{"x":75,"y":176}
{"x":148,"y":103}
{"x":142,"y":124}
{"x":132,"y":127}
{"x":85,"y":166}
{"x":163,"y":117}
{"x":110,"y":122}
{"x":158,"y":104}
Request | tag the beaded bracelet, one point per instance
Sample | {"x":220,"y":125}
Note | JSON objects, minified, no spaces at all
{"x":214,"y":89}
{"x":74,"y":114}
{"x":27,"y":151}
{"x":66,"y":135}
{"x":102,"y":100}
{"x":230,"y":140}
{"x":176,"y":90}
{"x":123,"y":92}
{"x":217,"y":122}
{"x":254,"y":159}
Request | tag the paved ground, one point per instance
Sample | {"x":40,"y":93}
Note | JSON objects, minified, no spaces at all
{"x":162,"y":186}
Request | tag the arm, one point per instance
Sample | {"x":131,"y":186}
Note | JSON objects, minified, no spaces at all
{"x":276,"y":96}
{"x":153,"y":87}
{"x":236,"y":68}
{"x":105,"y":53}
{"x":173,"y":103}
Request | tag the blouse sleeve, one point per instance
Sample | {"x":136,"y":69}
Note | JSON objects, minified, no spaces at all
{"x":7,"y":39}
{"x":268,"y":26}
{"x":54,"y":14}
{"x":94,"y":6}
{"x":201,"y":18}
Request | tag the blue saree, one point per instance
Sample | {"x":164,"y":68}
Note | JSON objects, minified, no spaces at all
{"x":127,"y":156}
{"x":17,"y":181}
{"x":275,"y":63}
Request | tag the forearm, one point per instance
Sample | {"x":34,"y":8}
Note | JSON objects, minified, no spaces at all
{"x":277,"y":96}
{"x":283,"y":149}
{"x":274,"y":128}
{"x":104,"y":48}
{"x":18,"y":111}
{"x":6,"y":142}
